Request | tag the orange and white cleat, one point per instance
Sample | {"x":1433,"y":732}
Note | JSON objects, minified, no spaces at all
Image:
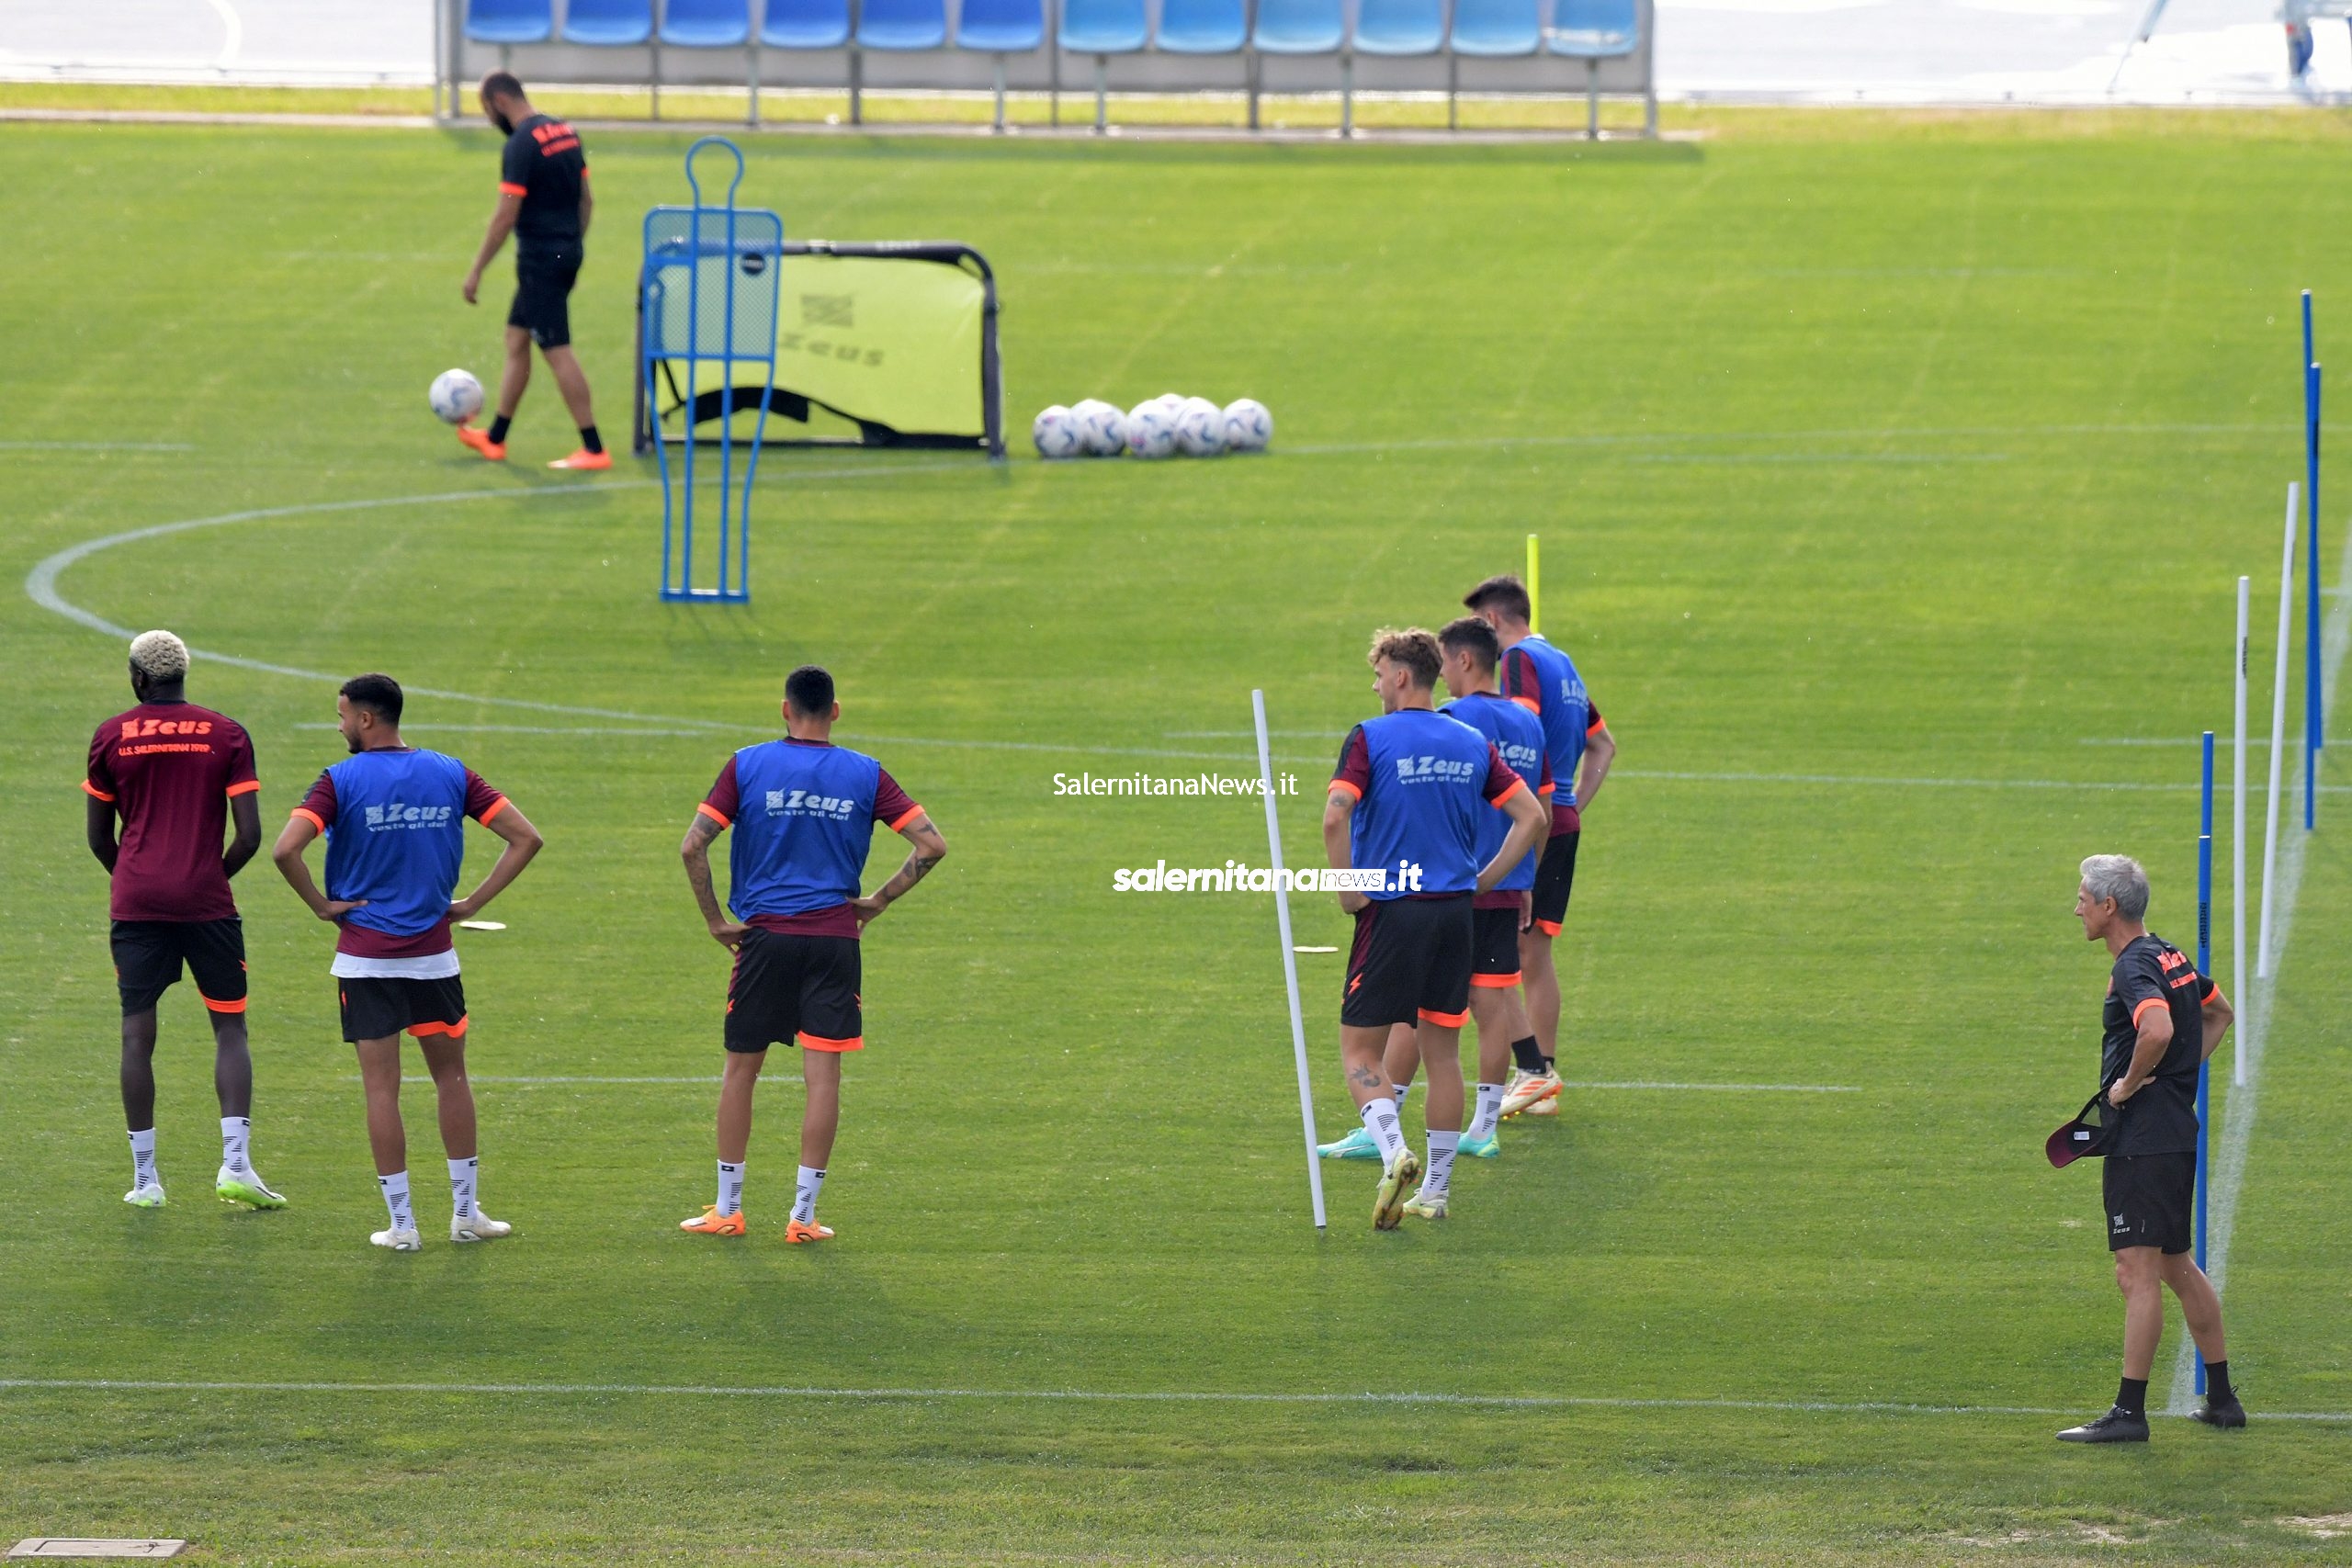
{"x":585,"y":461}
{"x":1532,"y":1094}
{"x":480,"y":441}
{"x":799,"y":1231}
{"x":713,"y":1223}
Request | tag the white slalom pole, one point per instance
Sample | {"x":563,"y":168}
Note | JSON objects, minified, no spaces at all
{"x":2237,"y":835}
{"x":2277,"y":740}
{"x":1290,"y":959}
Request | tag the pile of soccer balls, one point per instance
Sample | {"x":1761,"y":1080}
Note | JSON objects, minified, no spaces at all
{"x":1164,"y":426}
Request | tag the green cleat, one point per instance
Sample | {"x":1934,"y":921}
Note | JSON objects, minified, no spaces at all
{"x":1389,"y":1204}
{"x":1358,"y":1145}
{"x":1486,"y":1147}
{"x":246,"y":1187}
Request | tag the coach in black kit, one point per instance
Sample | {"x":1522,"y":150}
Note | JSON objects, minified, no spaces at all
{"x":2161,"y":1019}
{"x":543,"y":201}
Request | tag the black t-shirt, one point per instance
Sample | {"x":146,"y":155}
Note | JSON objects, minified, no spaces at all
{"x":2150,"y":973}
{"x":544,"y":165}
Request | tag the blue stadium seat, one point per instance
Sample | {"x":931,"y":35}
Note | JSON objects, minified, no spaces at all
{"x":902,"y":24}
{"x":1203,"y":27}
{"x":1400,"y":27}
{"x":1301,"y":26}
{"x":805,"y":24}
{"x":706,"y":24}
{"x":510,"y":21}
{"x":1006,"y":26}
{"x":607,"y":23}
{"x":1597,"y":29}
{"x":1493,"y":28}
{"x":1103,"y":26}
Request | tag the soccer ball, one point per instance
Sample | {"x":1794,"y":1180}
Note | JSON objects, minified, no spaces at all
{"x":1247,"y":426}
{"x":1172,"y":403}
{"x":1200,"y":428}
{"x":455,"y":396}
{"x":1102,"y":430}
{"x":1150,"y":433}
{"x":1056,"y":433}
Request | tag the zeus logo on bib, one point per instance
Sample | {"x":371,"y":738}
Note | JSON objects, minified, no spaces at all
{"x":800,"y":803}
{"x":1413,"y":770}
{"x":399,"y":816}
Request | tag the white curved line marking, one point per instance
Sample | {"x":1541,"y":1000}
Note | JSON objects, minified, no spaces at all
{"x":234,"y":43}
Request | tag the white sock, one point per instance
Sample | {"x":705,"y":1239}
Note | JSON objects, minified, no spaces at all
{"x":1440,"y":1172}
{"x":143,"y":1160}
{"x":1404,"y":1092}
{"x":804,"y":1194}
{"x":730,"y":1188}
{"x":1489,"y":1110}
{"x":1380,"y":1120}
{"x":395,"y":1190}
{"x":236,"y":1133}
{"x":463,"y":1176}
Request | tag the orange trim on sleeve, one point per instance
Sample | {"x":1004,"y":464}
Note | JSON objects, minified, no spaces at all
{"x":1353,"y":793}
{"x":1546,"y":789}
{"x":237,"y":1006}
{"x":1595,"y":728}
{"x":1549,"y":928}
{"x":708,"y":809}
{"x":315,"y":822}
{"x":1530,"y":703}
{"x":807,"y":1042}
{"x":96,"y":793}
{"x":1495,"y":982}
{"x":2143,"y":1007}
{"x":506,"y":189}
{"x":427,"y":1031}
{"x":910,"y":813}
{"x":1517,"y":785}
{"x":495,"y":808}
{"x":250,"y":787}
{"x":2212,"y":989}
{"x":1444,"y":1019}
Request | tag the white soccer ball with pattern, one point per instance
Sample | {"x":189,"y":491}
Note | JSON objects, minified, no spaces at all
{"x":1056,"y":432}
{"x":1200,"y":428}
{"x":1171,"y":403}
{"x":1150,"y":432}
{"x":1248,"y":426}
{"x":455,"y":396}
{"x":1101,"y":429}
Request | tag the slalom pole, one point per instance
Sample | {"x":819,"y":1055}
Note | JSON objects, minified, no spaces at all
{"x":2237,"y":835}
{"x":1290,"y":959}
{"x":2204,"y":967}
{"x":2277,"y":740}
{"x":1534,"y":585}
{"x":2312,"y":736}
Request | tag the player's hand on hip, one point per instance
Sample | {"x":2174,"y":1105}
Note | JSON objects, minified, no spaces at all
{"x":1353,"y":902}
{"x":869,"y":908}
{"x":728,"y":934}
{"x":2116,"y":1096}
{"x":337,"y":908}
{"x":463,"y":910}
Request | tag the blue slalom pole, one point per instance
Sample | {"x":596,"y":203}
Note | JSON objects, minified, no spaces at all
{"x":2204,"y":967}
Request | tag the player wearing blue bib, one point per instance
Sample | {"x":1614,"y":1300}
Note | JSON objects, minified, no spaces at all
{"x":1404,"y":806}
{"x":803,"y":810}
{"x":395,"y":821}
{"x":1543,"y":681}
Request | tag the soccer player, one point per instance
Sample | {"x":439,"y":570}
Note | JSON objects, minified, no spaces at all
{"x":396,"y":839}
{"x":174,"y":773}
{"x":1543,"y":681}
{"x":543,"y":201}
{"x":1406,"y":801}
{"x":1470,"y":653}
{"x":2160,"y":1020}
{"x":803,"y":810}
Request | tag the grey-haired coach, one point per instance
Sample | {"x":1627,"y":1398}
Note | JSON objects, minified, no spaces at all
{"x":2162,"y":1020}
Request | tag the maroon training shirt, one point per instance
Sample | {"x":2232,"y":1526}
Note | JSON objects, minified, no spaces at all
{"x":168,"y":769}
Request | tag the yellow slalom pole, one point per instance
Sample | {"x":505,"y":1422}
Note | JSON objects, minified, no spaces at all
{"x":1535,"y":584}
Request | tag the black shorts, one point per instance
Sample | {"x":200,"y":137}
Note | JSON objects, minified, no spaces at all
{"x":2151,"y":1201}
{"x":148,"y":956}
{"x":1411,"y":962}
{"x":375,"y":1007}
{"x":801,"y":990}
{"x":543,"y":281}
{"x":1556,"y":873}
{"x":1494,"y":948}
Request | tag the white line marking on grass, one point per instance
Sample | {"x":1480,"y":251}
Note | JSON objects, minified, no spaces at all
{"x":1730,"y":1087}
{"x":2227,"y":1178}
{"x":2221,"y":742}
{"x":96,"y":446}
{"x":481,"y":1077}
{"x":1075,"y":1396}
{"x":1818,"y":458}
{"x":1459,"y":443}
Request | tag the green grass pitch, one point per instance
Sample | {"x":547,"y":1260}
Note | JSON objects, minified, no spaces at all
{"x":1863,"y":451}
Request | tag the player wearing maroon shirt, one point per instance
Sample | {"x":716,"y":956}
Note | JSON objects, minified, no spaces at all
{"x":173,"y":775}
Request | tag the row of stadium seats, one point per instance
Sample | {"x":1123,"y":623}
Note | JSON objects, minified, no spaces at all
{"x":1589,"y":30}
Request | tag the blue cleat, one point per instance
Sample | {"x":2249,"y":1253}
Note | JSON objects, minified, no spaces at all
{"x":1486,"y":1147}
{"x":1358,"y":1145}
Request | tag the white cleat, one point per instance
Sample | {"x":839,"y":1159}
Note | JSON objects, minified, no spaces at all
{"x":399,"y":1241}
{"x":148,"y":1197}
{"x":482,"y":1227}
{"x":246,"y":1187}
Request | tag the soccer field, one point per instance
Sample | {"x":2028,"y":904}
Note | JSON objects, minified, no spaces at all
{"x":1893,"y":478}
